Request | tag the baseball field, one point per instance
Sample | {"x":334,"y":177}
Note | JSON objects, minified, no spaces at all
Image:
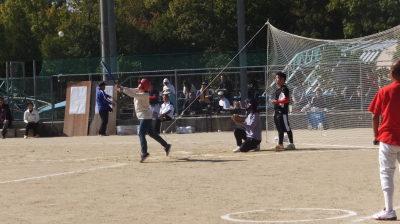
{"x":99,"y":180}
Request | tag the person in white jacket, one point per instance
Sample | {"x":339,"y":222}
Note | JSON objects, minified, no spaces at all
{"x":167,"y":109}
{"x":144,"y":114}
{"x":31,"y":119}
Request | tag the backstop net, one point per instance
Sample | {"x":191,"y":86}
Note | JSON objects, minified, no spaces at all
{"x":331,"y":82}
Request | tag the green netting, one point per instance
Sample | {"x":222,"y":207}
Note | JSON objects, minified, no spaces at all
{"x":149,"y":62}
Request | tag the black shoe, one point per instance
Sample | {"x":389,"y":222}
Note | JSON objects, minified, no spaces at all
{"x":144,"y":157}
{"x":167,"y":149}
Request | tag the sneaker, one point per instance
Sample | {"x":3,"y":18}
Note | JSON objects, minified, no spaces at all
{"x":25,"y":136}
{"x":291,"y":147}
{"x":167,"y":149}
{"x":237,"y":149}
{"x":385,"y":215}
{"x":257,"y":148}
{"x":279,"y":148}
{"x":36,"y":136}
{"x":144,"y":157}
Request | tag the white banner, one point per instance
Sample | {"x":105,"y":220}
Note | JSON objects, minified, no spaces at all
{"x":77,"y":103}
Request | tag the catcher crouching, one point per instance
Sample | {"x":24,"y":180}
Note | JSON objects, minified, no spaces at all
{"x":248,"y":134}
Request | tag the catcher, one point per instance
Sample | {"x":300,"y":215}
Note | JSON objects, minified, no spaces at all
{"x":248,"y":135}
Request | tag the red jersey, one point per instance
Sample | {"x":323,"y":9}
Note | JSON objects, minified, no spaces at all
{"x":387,"y":104}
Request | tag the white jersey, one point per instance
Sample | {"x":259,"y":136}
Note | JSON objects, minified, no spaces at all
{"x":141,"y":102}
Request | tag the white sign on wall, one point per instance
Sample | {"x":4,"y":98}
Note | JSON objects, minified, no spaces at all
{"x":77,"y":103}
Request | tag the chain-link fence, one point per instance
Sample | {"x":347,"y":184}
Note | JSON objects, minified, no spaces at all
{"x":345,"y":89}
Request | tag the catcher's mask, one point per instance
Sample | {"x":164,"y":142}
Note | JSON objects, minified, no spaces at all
{"x":251,"y":105}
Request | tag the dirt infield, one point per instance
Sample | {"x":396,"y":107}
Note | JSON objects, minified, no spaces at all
{"x":99,"y":180}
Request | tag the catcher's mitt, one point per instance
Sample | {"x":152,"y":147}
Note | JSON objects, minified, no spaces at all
{"x":237,"y":119}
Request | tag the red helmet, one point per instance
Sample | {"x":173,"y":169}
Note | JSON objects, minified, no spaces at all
{"x":144,"y":84}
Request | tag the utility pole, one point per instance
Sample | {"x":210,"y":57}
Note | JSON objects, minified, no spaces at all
{"x":241,"y":26}
{"x":108,"y":36}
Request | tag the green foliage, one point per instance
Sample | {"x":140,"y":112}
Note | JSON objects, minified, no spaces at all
{"x":29,"y":29}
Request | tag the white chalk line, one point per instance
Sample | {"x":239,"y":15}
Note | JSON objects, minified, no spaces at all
{"x":347,"y":213}
{"x":99,"y":159}
{"x":365,"y":218}
{"x":63,"y":173}
{"x":342,"y":146}
{"x":265,"y":153}
{"x":189,"y":154}
{"x":65,"y":160}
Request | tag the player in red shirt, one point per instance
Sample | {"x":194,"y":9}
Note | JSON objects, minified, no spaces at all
{"x":386,"y":124}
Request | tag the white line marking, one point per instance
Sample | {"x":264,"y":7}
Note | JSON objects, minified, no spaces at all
{"x":63,"y":173}
{"x":271,"y":153}
{"x":347,"y":213}
{"x":63,"y":160}
{"x":365,"y":218}
{"x":342,"y":146}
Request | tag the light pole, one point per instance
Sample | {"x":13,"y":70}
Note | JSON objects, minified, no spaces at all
{"x":108,"y":36}
{"x":241,"y":27}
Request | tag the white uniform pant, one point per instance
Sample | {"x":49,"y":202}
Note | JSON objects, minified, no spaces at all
{"x":388,"y":156}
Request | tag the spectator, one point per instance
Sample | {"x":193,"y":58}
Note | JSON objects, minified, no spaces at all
{"x":344,"y":98}
{"x":191,"y":105}
{"x":104,"y":104}
{"x":356,"y":99}
{"x":299,"y":98}
{"x":165,"y":113}
{"x":5,"y":117}
{"x":204,"y":96}
{"x":171,"y":88}
{"x":225,"y":86}
{"x":167,"y":109}
{"x":223,"y":101}
{"x":188,"y":88}
{"x":253,"y":89}
{"x":318,"y":100}
{"x":31,"y":119}
{"x":370,"y":86}
{"x":316,"y":111}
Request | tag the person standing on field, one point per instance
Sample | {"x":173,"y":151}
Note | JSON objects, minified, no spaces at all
{"x":385,"y":108}
{"x":104,"y":104}
{"x":144,"y":114}
{"x":281,"y":106}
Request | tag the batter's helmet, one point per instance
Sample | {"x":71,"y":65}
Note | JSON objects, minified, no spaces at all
{"x":144,"y":85}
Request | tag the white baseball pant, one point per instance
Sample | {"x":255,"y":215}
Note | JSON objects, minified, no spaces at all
{"x":388,"y":156}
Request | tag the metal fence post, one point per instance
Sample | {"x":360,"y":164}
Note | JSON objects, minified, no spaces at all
{"x":52,"y":99}
{"x":176,"y":91}
{"x":266,"y":68}
{"x":361,"y":86}
{"x":7,"y":78}
{"x":34,"y":81}
{"x":24,"y":80}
